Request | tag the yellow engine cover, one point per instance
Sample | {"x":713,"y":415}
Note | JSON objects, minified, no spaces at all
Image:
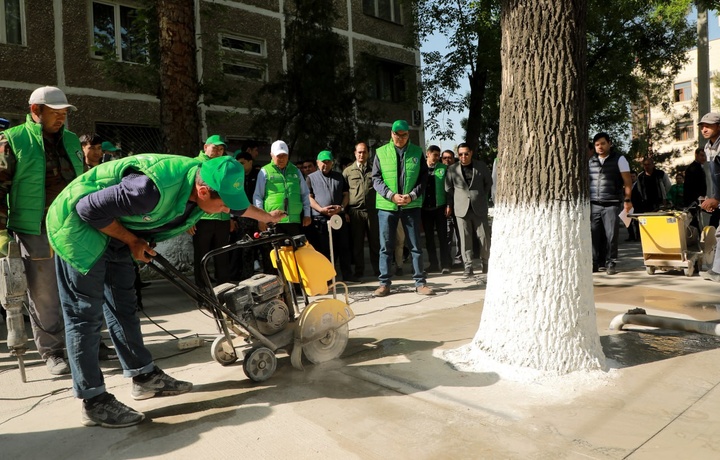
{"x":663,"y":233}
{"x":315,"y":269}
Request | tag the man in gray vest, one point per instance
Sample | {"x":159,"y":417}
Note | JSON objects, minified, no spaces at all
{"x":329,"y":197}
{"x":610,"y":185}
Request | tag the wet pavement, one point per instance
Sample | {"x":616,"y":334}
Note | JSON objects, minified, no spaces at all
{"x":391,"y":395}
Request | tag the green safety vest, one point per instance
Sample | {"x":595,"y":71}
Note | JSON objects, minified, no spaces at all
{"x":280,"y":187}
{"x":81,"y":245}
{"x":388,"y":166}
{"x":439,"y":177}
{"x":219,"y":215}
{"x":26,"y":200}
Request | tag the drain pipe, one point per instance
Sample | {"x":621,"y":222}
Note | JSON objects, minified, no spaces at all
{"x":638,"y":317}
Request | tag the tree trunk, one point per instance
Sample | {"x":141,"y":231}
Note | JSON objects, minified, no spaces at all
{"x":539,"y":312}
{"x":478,"y":80}
{"x":179,"y":89}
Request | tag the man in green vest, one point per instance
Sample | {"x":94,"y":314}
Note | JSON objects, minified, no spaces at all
{"x":434,"y":213}
{"x":212,"y":230}
{"x":281,"y":186}
{"x":399,"y":177}
{"x":97,"y":225}
{"x":38,"y":159}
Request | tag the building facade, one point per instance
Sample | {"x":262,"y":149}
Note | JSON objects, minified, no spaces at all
{"x":239,"y":47}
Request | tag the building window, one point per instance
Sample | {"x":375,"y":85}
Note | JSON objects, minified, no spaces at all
{"x":685,"y":131}
{"x":388,"y":10}
{"x":390,"y":82}
{"x":118,"y":31}
{"x":243,"y":57}
{"x":251,"y":46}
{"x":243,"y":70}
{"x":12,"y":19}
{"x":683,"y":91}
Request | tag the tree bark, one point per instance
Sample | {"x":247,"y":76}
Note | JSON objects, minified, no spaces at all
{"x":539,"y":312}
{"x":179,"y":88}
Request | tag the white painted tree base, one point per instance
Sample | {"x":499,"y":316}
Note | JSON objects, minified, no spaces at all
{"x":538,"y":318}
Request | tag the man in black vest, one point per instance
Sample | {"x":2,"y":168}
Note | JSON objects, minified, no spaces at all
{"x":610,"y":184}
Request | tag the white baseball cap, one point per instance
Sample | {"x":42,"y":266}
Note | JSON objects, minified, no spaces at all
{"x":279,"y":148}
{"x":50,"y":96}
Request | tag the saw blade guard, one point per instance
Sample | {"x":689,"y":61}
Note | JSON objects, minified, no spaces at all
{"x":320,"y":317}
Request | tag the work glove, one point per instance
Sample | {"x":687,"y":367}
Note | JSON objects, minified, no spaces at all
{"x":4,"y":240}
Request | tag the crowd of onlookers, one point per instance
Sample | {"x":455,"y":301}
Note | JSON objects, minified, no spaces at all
{"x":615,"y":188}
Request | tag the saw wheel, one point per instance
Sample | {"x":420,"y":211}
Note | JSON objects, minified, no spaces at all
{"x":328,"y":347}
{"x":218,"y":353}
{"x":259,"y":364}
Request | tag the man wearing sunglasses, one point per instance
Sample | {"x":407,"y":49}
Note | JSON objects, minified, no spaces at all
{"x":399,"y":177}
{"x":468,"y":185}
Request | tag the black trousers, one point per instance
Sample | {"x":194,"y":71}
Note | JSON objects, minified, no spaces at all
{"x":362,"y":223}
{"x":320,"y":240}
{"x":434,"y":223}
{"x":212,"y":234}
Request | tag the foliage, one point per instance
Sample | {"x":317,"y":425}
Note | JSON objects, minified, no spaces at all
{"x":473,"y":52}
{"x":715,"y":79}
{"x":319,"y":93}
{"x":635,"y":49}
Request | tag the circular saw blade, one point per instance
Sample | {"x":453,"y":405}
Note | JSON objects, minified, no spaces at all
{"x":328,"y":347}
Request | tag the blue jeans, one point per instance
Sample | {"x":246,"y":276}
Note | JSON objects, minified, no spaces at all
{"x":108,"y":290}
{"x":388,"y":222}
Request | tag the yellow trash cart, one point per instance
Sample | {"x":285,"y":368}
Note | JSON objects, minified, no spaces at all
{"x":670,"y":242}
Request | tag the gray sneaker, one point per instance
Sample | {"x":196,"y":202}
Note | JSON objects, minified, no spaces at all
{"x":107,"y":411}
{"x":57,"y":365}
{"x":159,"y":384}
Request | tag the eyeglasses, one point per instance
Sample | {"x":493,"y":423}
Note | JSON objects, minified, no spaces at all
{"x":463,"y":154}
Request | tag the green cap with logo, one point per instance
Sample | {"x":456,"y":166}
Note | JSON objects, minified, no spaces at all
{"x":108,"y":147}
{"x":215,"y":139}
{"x":400,"y":125}
{"x":325,"y":155}
{"x":226,"y":176}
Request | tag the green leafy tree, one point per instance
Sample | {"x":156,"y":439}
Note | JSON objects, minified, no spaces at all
{"x":473,"y":34}
{"x":319,"y":93}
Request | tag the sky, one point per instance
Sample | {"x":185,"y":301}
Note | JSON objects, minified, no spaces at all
{"x":439,"y":42}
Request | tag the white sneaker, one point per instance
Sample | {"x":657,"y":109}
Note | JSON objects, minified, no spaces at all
{"x":56,"y":365}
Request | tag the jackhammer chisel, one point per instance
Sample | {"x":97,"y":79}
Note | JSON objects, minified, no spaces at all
{"x":13,"y":296}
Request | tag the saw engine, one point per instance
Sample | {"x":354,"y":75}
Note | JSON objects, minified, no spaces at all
{"x":258,"y":301}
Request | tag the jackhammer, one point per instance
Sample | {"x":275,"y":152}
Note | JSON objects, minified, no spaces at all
{"x":13,"y":296}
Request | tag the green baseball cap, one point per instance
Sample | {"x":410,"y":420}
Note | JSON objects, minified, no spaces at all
{"x":215,"y":139}
{"x":400,"y":125}
{"x":226,"y":176}
{"x":108,"y":147}
{"x":325,"y":155}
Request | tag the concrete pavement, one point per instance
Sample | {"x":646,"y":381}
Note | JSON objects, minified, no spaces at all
{"x":392,"y":396}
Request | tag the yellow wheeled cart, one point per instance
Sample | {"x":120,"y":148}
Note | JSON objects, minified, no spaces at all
{"x":670,"y":242}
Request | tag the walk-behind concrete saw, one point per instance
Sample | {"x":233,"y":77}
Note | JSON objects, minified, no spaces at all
{"x":258,"y":316}
{"x":13,"y":296}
